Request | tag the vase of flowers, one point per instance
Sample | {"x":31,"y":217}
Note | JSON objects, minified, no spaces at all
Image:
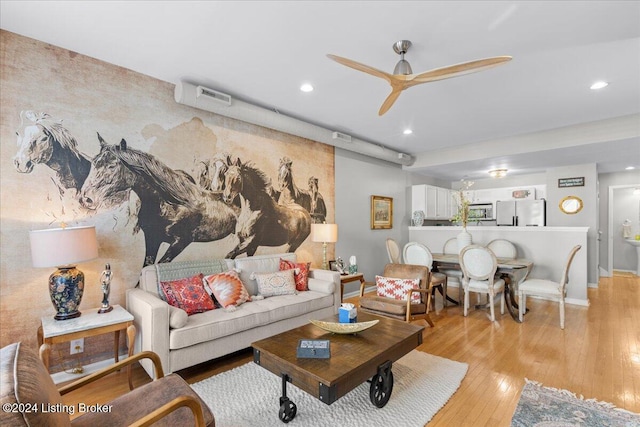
{"x":462,"y":215}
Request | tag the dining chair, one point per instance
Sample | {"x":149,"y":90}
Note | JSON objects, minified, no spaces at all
{"x":418,"y":254}
{"x":453,"y":273}
{"x":547,"y":288}
{"x":479,"y":266}
{"x":393,"y":251}
{"x":503,"y":248}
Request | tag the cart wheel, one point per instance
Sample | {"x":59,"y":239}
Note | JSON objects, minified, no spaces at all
{"x":381,"y":388}
{"x":287,"y":411}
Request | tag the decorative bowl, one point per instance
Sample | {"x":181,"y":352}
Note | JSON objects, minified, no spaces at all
{"x":343,"y":328}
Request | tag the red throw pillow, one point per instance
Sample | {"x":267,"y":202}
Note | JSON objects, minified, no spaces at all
{"x":300,"y":273}
{"x":188,"y":294}
{"x":398,"y":288}
{"x":227,"y":288}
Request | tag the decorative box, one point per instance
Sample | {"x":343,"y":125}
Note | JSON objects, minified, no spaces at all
{"x":314,"y":349}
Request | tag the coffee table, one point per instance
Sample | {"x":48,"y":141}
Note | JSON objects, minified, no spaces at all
{"x":355,"y":358}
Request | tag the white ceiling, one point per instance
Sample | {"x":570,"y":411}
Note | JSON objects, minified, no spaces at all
{"x":261,"y":52}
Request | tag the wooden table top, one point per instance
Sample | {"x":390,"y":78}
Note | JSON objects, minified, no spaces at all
{"x":504,"y":263}
{"x":354,"y":358}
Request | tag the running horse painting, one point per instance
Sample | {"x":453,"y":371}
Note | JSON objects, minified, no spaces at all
{"x":275,"y":224}
{"x":173,"y":208}
{"x":42,"y":140}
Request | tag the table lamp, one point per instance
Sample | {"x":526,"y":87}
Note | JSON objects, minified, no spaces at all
{"x":325,"y":233}
{"x":64,"y":248}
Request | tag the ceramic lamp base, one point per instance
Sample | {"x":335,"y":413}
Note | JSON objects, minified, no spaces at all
{"x":66,"y":286}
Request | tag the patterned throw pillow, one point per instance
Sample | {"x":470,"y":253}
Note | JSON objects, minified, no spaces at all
{"x":188,"y":294}
{"x":398,"y":288}
{"x":227,"y":288}
{"x":300,"y":272}
{"x":277,"y":283}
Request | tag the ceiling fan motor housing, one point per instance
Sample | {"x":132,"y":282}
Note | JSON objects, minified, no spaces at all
{"x":402,"y":67}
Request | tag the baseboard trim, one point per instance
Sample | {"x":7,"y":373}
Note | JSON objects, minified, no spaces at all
{"x":61,"y":377}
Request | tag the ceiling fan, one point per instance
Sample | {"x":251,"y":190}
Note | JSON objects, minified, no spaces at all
{"x":403,"y":77}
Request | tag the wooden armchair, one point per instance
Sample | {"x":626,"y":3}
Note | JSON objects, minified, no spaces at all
{"x":401,"y":309}
{"x":25,"y":384}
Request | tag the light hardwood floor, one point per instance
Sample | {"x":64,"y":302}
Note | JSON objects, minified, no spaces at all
{"x":597,"y":356}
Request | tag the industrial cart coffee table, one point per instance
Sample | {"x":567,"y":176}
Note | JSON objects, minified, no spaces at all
{"x":355,"y":358}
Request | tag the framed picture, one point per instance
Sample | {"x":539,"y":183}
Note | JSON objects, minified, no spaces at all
{"x":381,"y":212}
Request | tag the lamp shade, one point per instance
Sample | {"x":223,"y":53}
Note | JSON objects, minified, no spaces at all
{"x":325,"y":233}
{"x":58,"y":247}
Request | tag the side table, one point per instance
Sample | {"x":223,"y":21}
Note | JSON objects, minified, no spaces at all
{"x":349,"y":278}
{"x":91,"y":323}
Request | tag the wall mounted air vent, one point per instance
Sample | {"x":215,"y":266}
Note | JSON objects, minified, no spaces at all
{"x":341,"y":136}
{"x":210,"y":93}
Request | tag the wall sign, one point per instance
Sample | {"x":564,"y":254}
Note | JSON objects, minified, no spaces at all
{"x":571,"y":182}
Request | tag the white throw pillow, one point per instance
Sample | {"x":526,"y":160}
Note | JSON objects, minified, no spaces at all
{"x":277,"y":283}
{"x":177,"y":317}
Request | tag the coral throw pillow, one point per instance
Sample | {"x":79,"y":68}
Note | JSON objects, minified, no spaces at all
{"x":398,"y":288}
{"x":300,"y":272}
{"x":277,"y":283}
{"x":188,"y":294}
{"x":227,"y":288}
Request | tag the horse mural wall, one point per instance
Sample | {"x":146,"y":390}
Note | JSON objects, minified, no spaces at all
{"x":149,"y":173}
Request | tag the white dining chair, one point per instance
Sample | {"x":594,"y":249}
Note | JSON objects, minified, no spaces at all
{"x":503,"y":248}
{"x":393,"y":251}
{"x":547,"y":289}
{"x":479,"y":267}
{"x":418,"y":254}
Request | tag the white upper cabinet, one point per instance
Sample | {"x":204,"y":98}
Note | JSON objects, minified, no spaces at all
{"x":435,"y":202}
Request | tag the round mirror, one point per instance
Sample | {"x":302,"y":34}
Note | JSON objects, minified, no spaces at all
{"x":571,"y":205}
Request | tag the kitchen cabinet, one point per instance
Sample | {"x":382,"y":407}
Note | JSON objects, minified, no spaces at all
{"x":435,"y":202}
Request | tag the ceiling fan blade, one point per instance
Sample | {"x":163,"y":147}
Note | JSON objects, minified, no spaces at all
{"x":457,"y":70}
{"x":395,"y":93}
{"x":361,"y":67}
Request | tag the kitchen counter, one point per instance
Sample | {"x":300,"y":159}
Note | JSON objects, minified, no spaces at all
{"x":547,"y":247}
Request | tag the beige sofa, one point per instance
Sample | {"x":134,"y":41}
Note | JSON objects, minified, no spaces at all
{"x":218,"y":332}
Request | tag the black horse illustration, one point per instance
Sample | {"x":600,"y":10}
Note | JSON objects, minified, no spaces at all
{"x":44,"y":140}
{"x":274,"y":225}
{"x":173,"y":209}
{"x":289,"y":191}
{"x":318,"y":209}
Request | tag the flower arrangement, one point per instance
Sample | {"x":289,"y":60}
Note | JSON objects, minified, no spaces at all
{"x":462,"y":215}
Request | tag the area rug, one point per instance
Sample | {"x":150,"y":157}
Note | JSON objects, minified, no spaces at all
{"x":551,"y":407}
{"x":248,"y":396}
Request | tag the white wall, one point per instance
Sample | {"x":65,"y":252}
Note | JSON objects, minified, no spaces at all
{"x":357,"y":178}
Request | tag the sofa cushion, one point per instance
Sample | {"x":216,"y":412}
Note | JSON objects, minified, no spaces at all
{"x":259,"y":264}
{"x":24,"y":379}
{"x":300,"y":273}
{"x":395,"y":288}
{"x":276,"y":283}
{"x":227,"y":288}
{"x":188,"y":294}
{"x":215,"y":324}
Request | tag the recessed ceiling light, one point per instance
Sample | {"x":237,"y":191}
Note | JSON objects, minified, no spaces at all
{"x":599,"y":85}
{"x":306,"y":87}
{"x":407,"y":131}
{"x":630,"y":168}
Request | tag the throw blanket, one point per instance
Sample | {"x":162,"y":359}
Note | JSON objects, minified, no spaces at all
{"x":169,"y":271}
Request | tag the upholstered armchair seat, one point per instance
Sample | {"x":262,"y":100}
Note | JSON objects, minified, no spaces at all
{"x":401,"y":309}
{"x":166,"y":401}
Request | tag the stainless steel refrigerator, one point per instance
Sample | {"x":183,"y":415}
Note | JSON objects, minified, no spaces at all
{"x":521,"y":213}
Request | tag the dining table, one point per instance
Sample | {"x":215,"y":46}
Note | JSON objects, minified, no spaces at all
{"x":512,"y":270}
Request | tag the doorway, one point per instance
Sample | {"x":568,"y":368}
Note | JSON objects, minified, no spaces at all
{"x":623,"y":205}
